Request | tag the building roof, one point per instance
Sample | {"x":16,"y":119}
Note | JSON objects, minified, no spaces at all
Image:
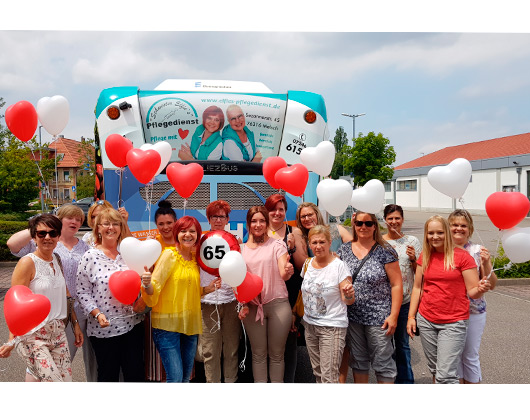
{"x":70,"y":149}
{"x":486,"y":149}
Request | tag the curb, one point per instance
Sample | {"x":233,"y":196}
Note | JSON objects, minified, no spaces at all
{"x":513,"y":282}
{"x":8,"y":263}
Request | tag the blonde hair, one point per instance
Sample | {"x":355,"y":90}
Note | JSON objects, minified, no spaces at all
{"x":320,"y":220}
{"x":112,"y":216}
{"x":464,"y":214}
{"x":449,"y":247}
{"x":71,"y":211}
{"x":103,"y":203}
{"x":320,"y":230}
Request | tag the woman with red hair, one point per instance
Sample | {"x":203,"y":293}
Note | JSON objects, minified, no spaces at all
{"x":206,"y":142}
{"x":174,"y":293}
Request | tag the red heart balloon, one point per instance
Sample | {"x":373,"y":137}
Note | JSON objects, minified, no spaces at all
{"x":271,"y":165}
{"x":125,"y":286}
{"x":143,"y":164}
{"x":250,"y":288}
{"x":293,"y":179}
{"x":116,"y":147}
{"x":24,"y":310}
{"x":22,"y":120}
{"x":185,"y":178}
{"x":506,"y":209}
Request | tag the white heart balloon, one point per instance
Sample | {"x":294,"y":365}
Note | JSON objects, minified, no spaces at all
{"x":139,"y":254}
{"x":53,"y":113}
{"x":319,"y":159}
{"x":370,"y":198}
{"x":334,"y":195}
{"x":516,"y":244}
{"x":232,"y":268}
{"x":452,"y":179}
{"x":164,"y":150}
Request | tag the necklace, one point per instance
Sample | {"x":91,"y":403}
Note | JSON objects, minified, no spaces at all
{"x":277,"y":230}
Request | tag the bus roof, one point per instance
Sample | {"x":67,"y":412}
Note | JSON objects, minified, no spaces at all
{"x":190,"y":85}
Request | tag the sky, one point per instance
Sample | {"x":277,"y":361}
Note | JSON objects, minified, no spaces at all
{"x":427,"y":75}
{"x":424,"y":89}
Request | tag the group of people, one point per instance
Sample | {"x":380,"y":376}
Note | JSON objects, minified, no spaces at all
{"x":355,"y":297}
{"x":212,"y":140}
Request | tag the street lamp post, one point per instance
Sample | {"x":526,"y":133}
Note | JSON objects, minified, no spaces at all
{"x":353,"y":120}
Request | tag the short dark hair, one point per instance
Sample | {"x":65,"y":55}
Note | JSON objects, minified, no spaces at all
{"x":164,"y":207}
{"x":47,"y":219}
{"x":391,"y":208}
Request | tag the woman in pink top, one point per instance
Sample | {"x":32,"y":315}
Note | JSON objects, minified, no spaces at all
{"x":267,"y":318}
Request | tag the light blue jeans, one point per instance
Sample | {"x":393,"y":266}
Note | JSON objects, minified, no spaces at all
{"x":177,"y":352}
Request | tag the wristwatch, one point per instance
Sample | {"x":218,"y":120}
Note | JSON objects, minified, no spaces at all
{"x":98,"y":314}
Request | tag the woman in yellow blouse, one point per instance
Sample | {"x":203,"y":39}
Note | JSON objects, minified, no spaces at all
{"x":174,"y":294}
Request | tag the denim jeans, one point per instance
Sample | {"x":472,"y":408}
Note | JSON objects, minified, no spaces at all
{"x":402,"y":348}
{"x":177,"y":352}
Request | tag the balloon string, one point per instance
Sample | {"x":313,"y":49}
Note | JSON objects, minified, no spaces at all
{"x":149,"y":197}
{"x":120,"y":172}
{"x":242,"y":364}
{"x":185,"y":204}
{"x":128,"y":308}
{"x":47,"y":190}
{"x":217,"y":322}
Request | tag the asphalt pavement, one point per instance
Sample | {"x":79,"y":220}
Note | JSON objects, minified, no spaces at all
{"x":505,"y":343}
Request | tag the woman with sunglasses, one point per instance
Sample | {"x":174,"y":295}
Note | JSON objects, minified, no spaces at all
{"x":461,"y":225}
{"x":445,"y":277}
{"x":93,"y":211}
{"x":408,"y":248}
{"x":69,"y":250}
{"x":378,"y":294}
{"x":116,"y":334}
{"x":174,"y":293}
{"x":45,"y":347}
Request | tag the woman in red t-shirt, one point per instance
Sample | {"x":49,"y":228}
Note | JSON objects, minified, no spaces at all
{"x":444,"y":278}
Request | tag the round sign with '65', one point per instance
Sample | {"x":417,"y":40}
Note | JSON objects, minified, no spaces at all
{"x":212,"y":248}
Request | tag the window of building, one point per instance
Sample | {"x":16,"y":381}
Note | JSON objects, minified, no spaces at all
{"x":509,"y":188}
{"x":407,"y":185}
{"x":66,"y":175}
{"x":55,"y":193}
{"x":67,"y":193}
{"x":388,"y":186}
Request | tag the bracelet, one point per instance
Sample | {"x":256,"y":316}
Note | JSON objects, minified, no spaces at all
{"x":412,"y":317}
{"x":291,"y":251}
{"x":98,"y":314}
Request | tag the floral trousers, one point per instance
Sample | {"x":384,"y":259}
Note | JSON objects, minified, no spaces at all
{"x":46,"y":353}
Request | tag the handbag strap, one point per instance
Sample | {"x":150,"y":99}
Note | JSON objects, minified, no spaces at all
{"x":354,"y":275}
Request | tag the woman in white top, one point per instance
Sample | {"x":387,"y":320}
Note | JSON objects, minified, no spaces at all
{"x":45,"y":347}
{"x":69,"y":249}
{"x":115,"y":333}
{"x":326,"y":290}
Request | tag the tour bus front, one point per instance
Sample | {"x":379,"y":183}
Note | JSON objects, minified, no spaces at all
{"x":180,"y":112}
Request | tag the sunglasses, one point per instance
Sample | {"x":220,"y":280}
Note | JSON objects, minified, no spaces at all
{"x":359,"y":223}
{"x":42,"y":233}
{"x":100,"y":202}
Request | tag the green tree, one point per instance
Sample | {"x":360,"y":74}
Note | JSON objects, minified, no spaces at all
{"x":370,"y":158}
{"x":340,"y":141}
{"x":87,"y":173}
{"x":19,"y":174}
